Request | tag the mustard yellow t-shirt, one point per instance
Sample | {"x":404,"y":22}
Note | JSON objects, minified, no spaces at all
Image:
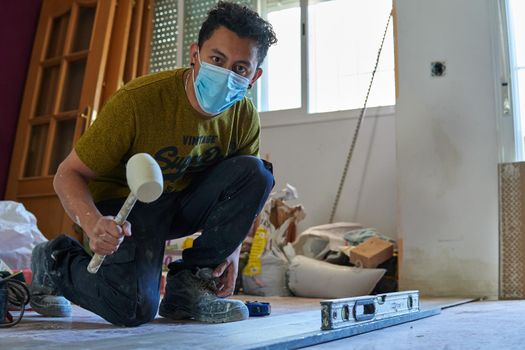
{"x":152,"y":114}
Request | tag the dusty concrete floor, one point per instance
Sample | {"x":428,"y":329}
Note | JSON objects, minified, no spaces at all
{"x":487,"y":325}
{"x":478,"y":325}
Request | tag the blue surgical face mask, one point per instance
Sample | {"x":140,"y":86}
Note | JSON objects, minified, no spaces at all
{"x":217,"y":88}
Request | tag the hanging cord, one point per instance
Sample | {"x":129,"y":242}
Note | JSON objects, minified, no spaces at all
{"x":361,"y":117}
{"x":18,"y":296}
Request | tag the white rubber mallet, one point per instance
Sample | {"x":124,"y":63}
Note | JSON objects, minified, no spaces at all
{"x":145,"y":182}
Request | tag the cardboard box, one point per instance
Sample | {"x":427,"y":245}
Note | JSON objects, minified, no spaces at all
{"x":371,"y":252}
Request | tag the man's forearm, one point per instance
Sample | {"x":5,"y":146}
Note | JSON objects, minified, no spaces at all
{"x":72,"y":189}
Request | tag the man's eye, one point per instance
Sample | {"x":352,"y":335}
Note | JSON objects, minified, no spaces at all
{"x":215,"y":59}
{"x":240,"y":70}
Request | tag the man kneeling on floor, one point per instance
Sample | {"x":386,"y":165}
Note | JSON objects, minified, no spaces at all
{"x":204,"y":133}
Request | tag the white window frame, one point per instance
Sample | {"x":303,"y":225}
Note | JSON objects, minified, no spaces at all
{"x":301,"y":115}
{"x":298,"y":115}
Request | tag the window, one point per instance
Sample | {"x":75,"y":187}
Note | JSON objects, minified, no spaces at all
{"x":325,"y":70}
{"x":343,"y":40}
{"x":280,"y":85}
{"x":516,"y":22}
{"x":342,"y":37}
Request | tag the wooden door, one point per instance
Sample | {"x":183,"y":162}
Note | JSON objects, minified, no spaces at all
{"x":130,"y":45}
{"x":61,"y":96}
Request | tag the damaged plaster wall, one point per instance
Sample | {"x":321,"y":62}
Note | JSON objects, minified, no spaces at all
{"x":447,"y":149}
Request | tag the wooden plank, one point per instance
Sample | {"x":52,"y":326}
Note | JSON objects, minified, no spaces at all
{"x":320,"y":337}
{"x":273,"y":332}
{"x":481,"y":325}
{"x":291,"y":317}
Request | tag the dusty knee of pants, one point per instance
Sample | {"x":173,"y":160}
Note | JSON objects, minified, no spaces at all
{"x":259,"y":171}
{"x":143,"y":310}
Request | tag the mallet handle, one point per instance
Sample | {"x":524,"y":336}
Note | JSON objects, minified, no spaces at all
{"x":121,"y":217}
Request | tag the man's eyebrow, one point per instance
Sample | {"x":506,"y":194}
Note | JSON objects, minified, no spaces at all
{"x":218,"y":52}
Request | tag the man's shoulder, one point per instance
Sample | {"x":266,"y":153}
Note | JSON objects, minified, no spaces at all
{"x":153,"y":81}
{"x":247,"y":112}
{"x":244,"y":107}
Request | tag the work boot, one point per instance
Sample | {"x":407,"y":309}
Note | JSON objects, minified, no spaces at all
{"x":45,"y":298}
{"x":191,"y":295}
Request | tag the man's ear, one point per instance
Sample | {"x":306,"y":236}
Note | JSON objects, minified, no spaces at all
{"x":257,"y":75}
{"x":194,"y":48}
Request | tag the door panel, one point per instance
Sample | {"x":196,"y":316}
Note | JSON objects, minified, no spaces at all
{"x":64,"y":80}
{"x":57,"y":36}
{"x":63,"y":142}
{"x":45,"y":207}
{"x":117,"y":49}
{"x":130,"y":47}
{"x":48,"y":87}
{"x":145,"y":38}
{"x":73,"y":85}
{"x":35,"y":154}
{"x":82,"y":38}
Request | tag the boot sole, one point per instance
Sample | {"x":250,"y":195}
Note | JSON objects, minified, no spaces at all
{"x":52,"y":310}
{"x":234,"y":315}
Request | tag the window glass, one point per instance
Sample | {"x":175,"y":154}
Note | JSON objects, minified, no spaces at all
{"x":343,"y":41}
{"x":517,"y":14}
{"x":280,"y":84}
{"x":521,"y":93}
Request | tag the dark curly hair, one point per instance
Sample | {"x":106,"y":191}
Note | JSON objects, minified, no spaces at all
{"x":241,"y":20}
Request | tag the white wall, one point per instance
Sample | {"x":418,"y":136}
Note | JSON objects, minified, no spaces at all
{"x":447,"y":147}
{"x":311,"y":157}
{"x":441,"y":195}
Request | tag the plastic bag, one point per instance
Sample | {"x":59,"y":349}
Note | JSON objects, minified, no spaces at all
{"x":312,"y":278}
{"x":265,"y":271}
{"x":19,"y":234}
{"x":266,"y":275}
{"x":317,"y":241}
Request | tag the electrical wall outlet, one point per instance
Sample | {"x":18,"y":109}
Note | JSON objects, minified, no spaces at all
{"x":438,"y":68}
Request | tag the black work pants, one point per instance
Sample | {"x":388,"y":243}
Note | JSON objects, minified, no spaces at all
{"x":222,"y":202}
